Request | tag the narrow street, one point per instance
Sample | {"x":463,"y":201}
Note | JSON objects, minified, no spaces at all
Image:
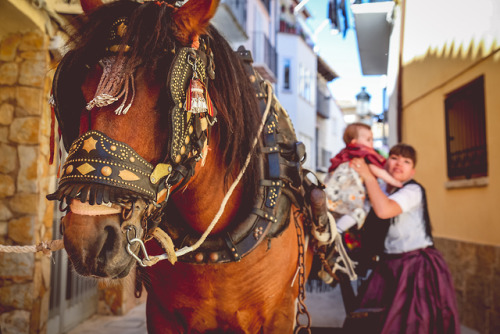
{"x":326,"y":310}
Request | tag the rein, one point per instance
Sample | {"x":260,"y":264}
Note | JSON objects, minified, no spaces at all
{"x":187,"y":249}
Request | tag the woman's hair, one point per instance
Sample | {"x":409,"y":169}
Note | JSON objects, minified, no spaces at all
{"x":351,"y":131}
{"x":406,"y":151}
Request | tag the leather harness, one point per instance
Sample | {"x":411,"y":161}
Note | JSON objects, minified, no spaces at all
{"x":101,"y":170}
{"x":280,"y":185}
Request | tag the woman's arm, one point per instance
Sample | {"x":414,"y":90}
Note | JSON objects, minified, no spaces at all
{"x":383,"y":206}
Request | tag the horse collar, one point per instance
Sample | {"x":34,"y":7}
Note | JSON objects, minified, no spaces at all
{"x":280,"y":172}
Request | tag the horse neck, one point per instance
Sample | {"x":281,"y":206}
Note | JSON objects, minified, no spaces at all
{"x":199,"y":202}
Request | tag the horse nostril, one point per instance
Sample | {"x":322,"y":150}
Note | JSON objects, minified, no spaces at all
{"x":110,"y":243}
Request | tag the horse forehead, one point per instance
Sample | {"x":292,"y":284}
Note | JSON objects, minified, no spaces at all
{"x":141,"y":127}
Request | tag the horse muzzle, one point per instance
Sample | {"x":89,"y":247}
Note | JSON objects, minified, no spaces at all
{"x":96,"y":237}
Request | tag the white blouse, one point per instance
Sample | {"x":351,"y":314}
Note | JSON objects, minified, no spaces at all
{"x":407,"y":230}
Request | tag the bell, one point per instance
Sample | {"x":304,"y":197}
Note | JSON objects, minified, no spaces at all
{"x":197,"y":99}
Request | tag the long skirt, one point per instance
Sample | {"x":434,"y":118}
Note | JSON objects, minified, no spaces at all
{"x":415,"y":289}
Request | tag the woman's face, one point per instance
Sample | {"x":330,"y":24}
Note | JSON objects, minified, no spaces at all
{"x":401,"y":168}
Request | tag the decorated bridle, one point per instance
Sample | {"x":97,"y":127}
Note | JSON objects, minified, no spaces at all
{"x":96,"y":159}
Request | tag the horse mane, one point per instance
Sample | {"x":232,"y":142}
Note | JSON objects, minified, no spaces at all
{"x":151,"y":36}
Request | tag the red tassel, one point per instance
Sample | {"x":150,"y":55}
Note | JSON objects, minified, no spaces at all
{"x":210,"y":106}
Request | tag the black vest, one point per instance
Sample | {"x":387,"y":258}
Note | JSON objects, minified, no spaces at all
{"x":374,"y":232}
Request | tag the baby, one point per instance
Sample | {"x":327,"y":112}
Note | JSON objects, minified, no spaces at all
{"x":346,"y":195}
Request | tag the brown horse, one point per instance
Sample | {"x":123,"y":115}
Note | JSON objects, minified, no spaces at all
{"x":170,"y":130}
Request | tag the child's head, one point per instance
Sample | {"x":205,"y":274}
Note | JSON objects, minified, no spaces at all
{"x":358,"y":133}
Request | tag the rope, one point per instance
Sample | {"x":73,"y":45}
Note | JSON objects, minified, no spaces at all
{"x":166,"y":243}
{"x":47,"y":247}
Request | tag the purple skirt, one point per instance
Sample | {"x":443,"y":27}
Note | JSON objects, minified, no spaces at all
{"x":415,"y":289}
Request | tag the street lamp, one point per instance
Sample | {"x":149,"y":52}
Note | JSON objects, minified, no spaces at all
{"x":363,"y":105}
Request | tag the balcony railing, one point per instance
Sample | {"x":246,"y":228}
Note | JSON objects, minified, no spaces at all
{"x":471,"y":162}
{"x":264,"y":53}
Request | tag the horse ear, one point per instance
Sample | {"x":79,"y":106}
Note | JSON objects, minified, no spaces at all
{"x":193,"y":17}
{"x":90,"y":5}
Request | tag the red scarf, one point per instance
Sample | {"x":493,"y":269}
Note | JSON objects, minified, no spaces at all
{"x":357,"y":151}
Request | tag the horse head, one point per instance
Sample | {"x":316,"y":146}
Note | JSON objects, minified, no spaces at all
{"x":144,"y":112}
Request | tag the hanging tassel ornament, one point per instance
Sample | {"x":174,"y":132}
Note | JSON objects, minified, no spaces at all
{"x":113,"y":86}
{"x":197,"y":99}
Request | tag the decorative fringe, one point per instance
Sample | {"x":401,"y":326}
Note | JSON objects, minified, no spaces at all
{"x":114,"y":85}
{"x":92,"y":193}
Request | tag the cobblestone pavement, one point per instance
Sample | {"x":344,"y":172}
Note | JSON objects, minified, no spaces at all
{"x":326,"y":309}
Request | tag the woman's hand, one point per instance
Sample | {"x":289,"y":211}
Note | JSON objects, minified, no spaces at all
{"x":360,"y":166}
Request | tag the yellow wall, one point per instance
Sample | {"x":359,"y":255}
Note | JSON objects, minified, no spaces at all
{"x":443,"y":50}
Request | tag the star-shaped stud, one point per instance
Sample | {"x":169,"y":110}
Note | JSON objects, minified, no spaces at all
{"x":89,"y":144}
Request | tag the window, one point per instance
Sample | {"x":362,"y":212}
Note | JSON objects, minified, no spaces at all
{"x":302,"y":79}
{"x":305,"y":83}
{"x":286,"y":74}
{"x":466,"y":132}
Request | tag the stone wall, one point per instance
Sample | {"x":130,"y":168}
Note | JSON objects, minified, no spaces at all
{"x":25,"y":177}
{"x":476,"y":274}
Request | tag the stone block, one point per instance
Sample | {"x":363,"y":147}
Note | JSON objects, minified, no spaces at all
{"x":29,"y":101}
{"x":38,"y":289}
{"x":4,"y":228}
{"x":7,"y":94}
{"x":33,"y":41}
{"x":22,"y":230}
{"x":6,"y":113}
{"x":24,"y":203}
{"x":32,"y":73}
{"x":28,"y":171}
{"x":17,"y":266}
{"x":9,"y":73}
{"x":46,"y":124}
{"x":34,"y":55}
{"x":44,"y":312}
{"x":35,"y":317}
{"x":46,"y":271}
{"x":5,"y":213}
{"x":24,"y":130}
{"x":4,"y":134}
{"x":8,"y":47}
{"x":485,"y":258}
{"x":477,"y":301}
{"x":110,"y":300}
{"x":7,"y":186}
{"x":15,"y":322}
{"x":19,"y":296}
{"x":8,"y":158}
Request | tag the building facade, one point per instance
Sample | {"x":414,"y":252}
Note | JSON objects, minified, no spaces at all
{"x":443,"y":71}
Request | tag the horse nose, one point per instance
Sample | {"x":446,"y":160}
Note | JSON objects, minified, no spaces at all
{"x":93,"y":242}
{"x":110,"y":242}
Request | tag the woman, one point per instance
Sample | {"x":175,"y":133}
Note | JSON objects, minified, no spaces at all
{"x":411,"y":282}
